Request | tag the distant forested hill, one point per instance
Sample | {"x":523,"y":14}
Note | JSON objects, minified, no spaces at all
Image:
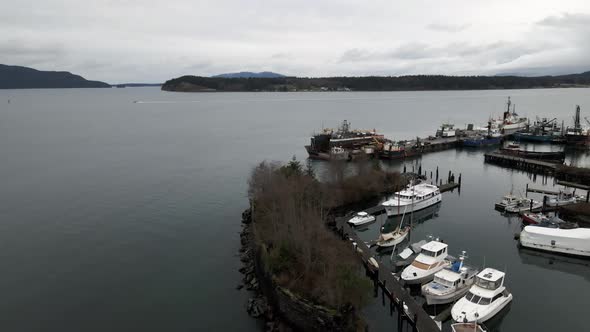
{"x":249,"y":74}
{"x":16,"y":77}
{"x":374,"y":83}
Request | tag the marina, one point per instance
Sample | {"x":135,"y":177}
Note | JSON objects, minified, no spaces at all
{"x":476,"y":298}
{"x":170,"y":166}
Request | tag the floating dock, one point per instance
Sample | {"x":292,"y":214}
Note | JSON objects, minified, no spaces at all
{"x":530,"y":165}
{"x":407,"y":308}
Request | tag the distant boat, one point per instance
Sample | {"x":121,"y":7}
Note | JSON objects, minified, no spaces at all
{"x":510,"y":122}
{"x":524,"y":205}
{"x":509,"y":200}
{"x":576,"y":135}
{"x":361,"y":218}
{"x":417,"y":197}
{"x":484,"y":299}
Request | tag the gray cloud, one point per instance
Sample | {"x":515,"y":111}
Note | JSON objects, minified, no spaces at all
{"x":567,"y":20}
{"x":150,"y":40}
{"x":447,"y":27}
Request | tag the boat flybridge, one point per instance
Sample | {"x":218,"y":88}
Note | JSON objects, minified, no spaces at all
{"x":486,"y":297}
{"x":431,"y":259}
{"x":450,"y":283}
{"x":414,"y":197}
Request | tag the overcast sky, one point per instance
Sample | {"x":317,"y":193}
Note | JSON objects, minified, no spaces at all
{"x":151,"y":41}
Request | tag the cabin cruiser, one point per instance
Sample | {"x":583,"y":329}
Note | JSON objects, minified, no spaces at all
{"x":508,"y":200}
{"x":431,"y":259}
{"x":450,"y":283}
{"x":361,"y":218}
{"x":414,"y":197}
{"x":563,"y":238}
{"x":524,"y":205}
{"x":484,"y":299}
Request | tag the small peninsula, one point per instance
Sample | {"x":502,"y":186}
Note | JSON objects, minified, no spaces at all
{"x":17,"y":77}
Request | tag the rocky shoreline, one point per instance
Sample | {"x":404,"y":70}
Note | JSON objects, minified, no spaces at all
{"x":258,"y":305}
{"x":280,"y":309}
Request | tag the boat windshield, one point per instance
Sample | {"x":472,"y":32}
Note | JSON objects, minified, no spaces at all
{"x":428,"y":253}
{"x":491,"y":285}
{"x":477,"y":299}
{"x":443,"y":282}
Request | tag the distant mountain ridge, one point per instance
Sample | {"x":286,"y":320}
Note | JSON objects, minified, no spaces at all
{"x":18,"y":77}
{"x":249,"y":74}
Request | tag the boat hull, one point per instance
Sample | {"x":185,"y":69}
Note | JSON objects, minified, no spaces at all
{"x":575,"y":242}
{"x":419,"y":205}
{"x":482,"y":142}
{"x":396,"y":240}
{"x":464,"y":311}
{"x":432,"y":299}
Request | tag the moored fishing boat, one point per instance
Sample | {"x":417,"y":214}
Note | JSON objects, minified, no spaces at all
{"x":510,"y":122}
{"x":564,"y":239}
{"x":339,"y":144}
{"x":361,"y":218}
{"x":486,"y":297}
{"x":431,"y":259}
{"x":524,"y":205}
{"x":416,"y":197}
{"x":577,"y":136}
{"x":508,"y":200}
{"x":450,"y":283}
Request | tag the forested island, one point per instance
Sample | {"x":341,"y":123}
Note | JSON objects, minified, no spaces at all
{"x":374,"y":83}
{"x":17,"y":77}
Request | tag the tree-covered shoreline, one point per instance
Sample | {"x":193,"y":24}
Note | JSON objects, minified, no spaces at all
{"x":374,"y":83}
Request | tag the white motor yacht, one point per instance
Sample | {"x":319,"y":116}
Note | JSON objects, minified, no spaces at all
{"x":414,"y":198}
{"x":484,"y":299}
{"x":431,"y":259}
{"x":361,"y":218}
{"x":450,"y":283}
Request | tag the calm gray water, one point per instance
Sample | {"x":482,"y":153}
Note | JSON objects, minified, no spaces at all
{"x":125,"y":216}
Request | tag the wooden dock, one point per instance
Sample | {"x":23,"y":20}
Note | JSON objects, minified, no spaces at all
{"x":400,"y":301}
{"x":530,"y":165}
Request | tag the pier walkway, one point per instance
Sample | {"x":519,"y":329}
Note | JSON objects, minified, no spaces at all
{"x":399,"y":298}
{"x":531,"y":165}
